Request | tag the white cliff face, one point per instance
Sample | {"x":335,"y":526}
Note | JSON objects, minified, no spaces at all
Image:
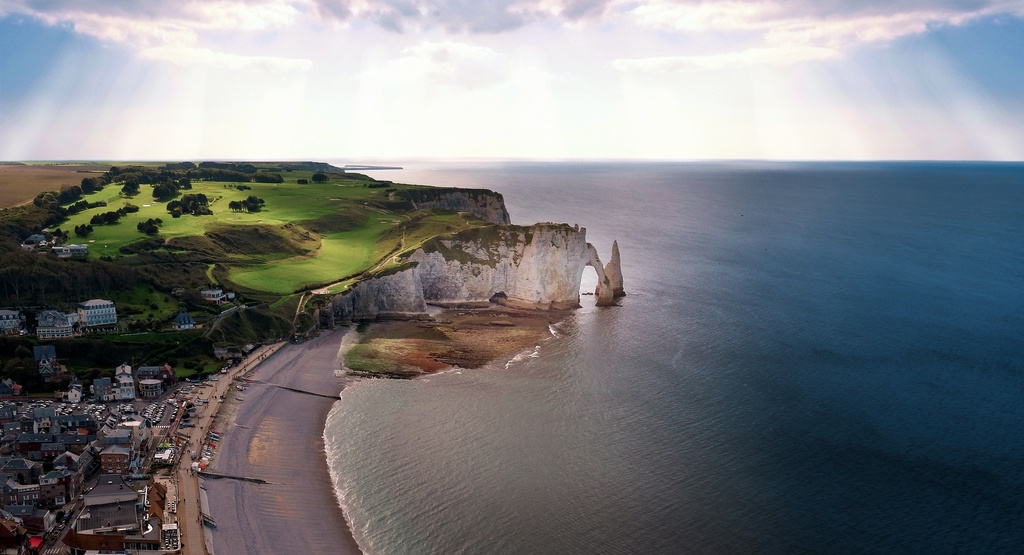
{"x":390,"y":296}
{"x":535,"y":267}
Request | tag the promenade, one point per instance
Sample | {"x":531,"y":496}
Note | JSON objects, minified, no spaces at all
{"x":194,"y":540}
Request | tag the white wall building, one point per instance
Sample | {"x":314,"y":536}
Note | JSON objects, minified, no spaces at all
{"x":97,"y":312}
{"x":51,"y":324}
{"x":124,"y":383}
{"x":10,"y":322}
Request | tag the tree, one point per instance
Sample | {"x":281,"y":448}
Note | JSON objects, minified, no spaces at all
{"x":320,"y":177}
{"x":90,"y":185}
{"x":130,"y":188}
{"x":235,"y":206}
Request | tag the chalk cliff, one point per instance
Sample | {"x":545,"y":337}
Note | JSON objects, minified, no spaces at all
{"x":484,"y":204}
{"x":536,"y":267}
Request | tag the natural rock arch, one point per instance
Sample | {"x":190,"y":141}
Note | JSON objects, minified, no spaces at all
{"x":605,"y":291}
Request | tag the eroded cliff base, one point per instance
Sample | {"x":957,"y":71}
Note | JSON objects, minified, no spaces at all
{"x":467,"y":338}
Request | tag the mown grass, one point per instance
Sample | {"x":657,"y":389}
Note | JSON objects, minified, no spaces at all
{"x":286,"y":203}
{"x":306,"y":234}
{"x":340,"y":254}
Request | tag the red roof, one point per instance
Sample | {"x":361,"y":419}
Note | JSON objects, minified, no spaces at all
{"x":35,"y":542}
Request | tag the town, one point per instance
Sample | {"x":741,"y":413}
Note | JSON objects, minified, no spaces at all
{"x":91,"y":468}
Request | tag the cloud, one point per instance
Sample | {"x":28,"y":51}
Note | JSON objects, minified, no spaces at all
{"x":831,"y":22}
{"x":169,"y":31}
{"x":458,"y":16}
{"x":793,"y":31}
{"x":784,"y":55}
{"x":446,"y":63}
{"x":186,"y":55}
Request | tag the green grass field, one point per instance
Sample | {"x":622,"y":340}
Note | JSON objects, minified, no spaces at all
{"x":341,"y":254}
{"x":306,"y":235}
{"x":285,"y":203}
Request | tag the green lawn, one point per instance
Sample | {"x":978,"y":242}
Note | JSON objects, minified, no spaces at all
{"x":286,"y":202}
{"x":341,"y":254}
{"x":352,"y":236}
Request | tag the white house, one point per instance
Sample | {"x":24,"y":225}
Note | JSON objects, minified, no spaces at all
{"x":51,"y":324}
{"x":74,"y":393}
{"x":124,"y":383}
{"x":10,"y":322}
{"x":97,"y":312}
{"x":213,"y":295}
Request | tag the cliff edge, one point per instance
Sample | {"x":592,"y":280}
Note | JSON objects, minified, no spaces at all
{"x":537,"y":267}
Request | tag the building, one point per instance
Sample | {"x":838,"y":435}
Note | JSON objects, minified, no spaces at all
{"x":46,"y":361}
{"x":14,"y":493}
{"x":116,"y":459}
{"x":150,"y":388}
{"x":13,"y":536}
{"x":74,"y":393}
{"x":216,"y":296}
{"x":163,"y":373}
{"x":184,"y":321}
{"x":51,"y":324}
{"x":103,"y":390}
{"x":59,"y":486}
{"x":97,"y":312}
{"x":141,"y":430}
{"x":124,"y":383}
{"x":36,"y":520}
{"x":71,"y":251}
{"x":10,"y":322}
{"x":114,"y":519}
{"x":9,"y":389}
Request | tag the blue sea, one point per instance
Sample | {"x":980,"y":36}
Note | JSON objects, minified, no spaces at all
{"x":811,"y":358}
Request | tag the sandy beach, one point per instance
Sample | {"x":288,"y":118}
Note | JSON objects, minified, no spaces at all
{"x":276,"y":435}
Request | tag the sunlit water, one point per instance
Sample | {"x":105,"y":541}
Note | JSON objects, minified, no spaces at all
{"x":812,"y":358}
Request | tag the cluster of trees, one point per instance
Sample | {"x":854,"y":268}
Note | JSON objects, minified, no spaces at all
{"x":83,"y":205}
{"x":29,"y":278}
{"x":114,"y":216}
{"x":83,"y":230}
{"x":130,"y":188}
{"x":150,"y":226}
{"x":196,"y":204}
{"x":168,"y":189}
{"x":265,"y":177}
{"x":250,"y":204}
{"x":320,"y":177}
{"x":106,"y":218}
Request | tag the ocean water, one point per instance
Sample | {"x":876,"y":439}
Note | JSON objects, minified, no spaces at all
{"x":812,"y":358}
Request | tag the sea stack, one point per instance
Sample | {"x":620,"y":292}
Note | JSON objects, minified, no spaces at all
{"x":613,"y":270}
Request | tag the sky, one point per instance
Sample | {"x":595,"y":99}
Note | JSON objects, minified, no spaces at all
{"x":393,"y":80}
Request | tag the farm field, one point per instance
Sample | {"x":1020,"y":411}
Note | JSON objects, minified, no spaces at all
{"x":20,"y":183}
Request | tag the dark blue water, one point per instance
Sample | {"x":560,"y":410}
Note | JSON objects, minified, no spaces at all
{"x":812,"y":358}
